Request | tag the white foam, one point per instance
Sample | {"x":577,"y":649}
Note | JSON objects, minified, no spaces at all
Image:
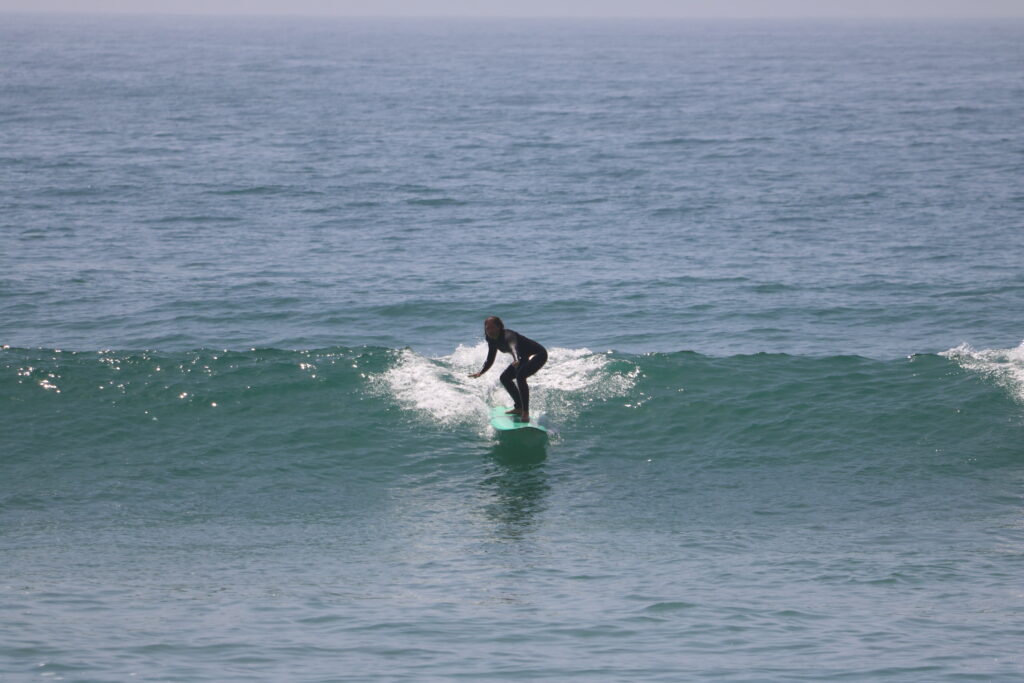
{"x":1003,"y":366}
{"x":435,"y":386}
{"x":442,"y":390}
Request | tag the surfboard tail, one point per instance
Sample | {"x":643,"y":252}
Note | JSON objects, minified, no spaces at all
{"x":503,"y":422}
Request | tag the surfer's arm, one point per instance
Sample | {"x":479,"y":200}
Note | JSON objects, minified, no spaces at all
{"x":492,"y":351}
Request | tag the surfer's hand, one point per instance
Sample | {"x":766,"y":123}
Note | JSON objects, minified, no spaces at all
{"x":474,"y":375}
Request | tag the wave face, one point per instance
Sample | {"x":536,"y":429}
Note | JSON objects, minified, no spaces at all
{"x":270,"y":408}
{"x":200,"y":419}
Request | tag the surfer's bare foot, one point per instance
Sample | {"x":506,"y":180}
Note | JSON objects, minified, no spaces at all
{"x":525,"y":417}
{"x":514,"y":411}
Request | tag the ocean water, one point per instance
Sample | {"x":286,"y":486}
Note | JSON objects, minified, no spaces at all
{"x":243,"y":274}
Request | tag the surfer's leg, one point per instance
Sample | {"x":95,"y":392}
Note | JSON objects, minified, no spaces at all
{"x":508,"y":380}
{"x":527,"y":368}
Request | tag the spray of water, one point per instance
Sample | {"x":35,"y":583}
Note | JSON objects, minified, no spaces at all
{"x":1004,"y":366}
{"x":441,"y":389}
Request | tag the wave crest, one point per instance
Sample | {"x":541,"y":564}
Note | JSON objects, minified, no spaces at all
{"x":1005,"y":367}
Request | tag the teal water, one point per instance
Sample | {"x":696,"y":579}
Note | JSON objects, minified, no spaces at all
{"x":244,"y":270}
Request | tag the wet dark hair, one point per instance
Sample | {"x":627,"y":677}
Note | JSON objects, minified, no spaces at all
{"x":496,"y":319}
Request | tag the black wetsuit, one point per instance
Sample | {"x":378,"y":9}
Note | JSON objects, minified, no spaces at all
{"x":530,"y":356}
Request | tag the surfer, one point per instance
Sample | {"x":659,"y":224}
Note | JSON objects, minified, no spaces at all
{"x":527,"y":358}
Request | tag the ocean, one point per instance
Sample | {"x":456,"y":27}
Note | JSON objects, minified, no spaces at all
{"x":244,"y":269}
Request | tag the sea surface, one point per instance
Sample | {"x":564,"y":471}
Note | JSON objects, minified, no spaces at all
{"x":244,"y":265}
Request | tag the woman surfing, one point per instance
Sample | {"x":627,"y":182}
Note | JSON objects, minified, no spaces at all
{"x":527,"y":358}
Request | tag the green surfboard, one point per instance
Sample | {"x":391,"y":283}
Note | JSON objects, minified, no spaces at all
{"x":511,"y":423}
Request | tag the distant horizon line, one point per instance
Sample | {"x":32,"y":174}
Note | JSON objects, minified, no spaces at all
{"x":525,"y":17}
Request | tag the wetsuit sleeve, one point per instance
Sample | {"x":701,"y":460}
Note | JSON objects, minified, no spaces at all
{"x":492,"y":351}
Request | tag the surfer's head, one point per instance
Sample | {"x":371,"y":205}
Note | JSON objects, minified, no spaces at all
{"x":493,"y":327}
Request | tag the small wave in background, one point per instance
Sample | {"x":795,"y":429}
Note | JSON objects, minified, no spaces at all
{"x":1005,"y":367}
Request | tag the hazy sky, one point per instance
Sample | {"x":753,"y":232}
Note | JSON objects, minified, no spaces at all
{"x":541,"y":8}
